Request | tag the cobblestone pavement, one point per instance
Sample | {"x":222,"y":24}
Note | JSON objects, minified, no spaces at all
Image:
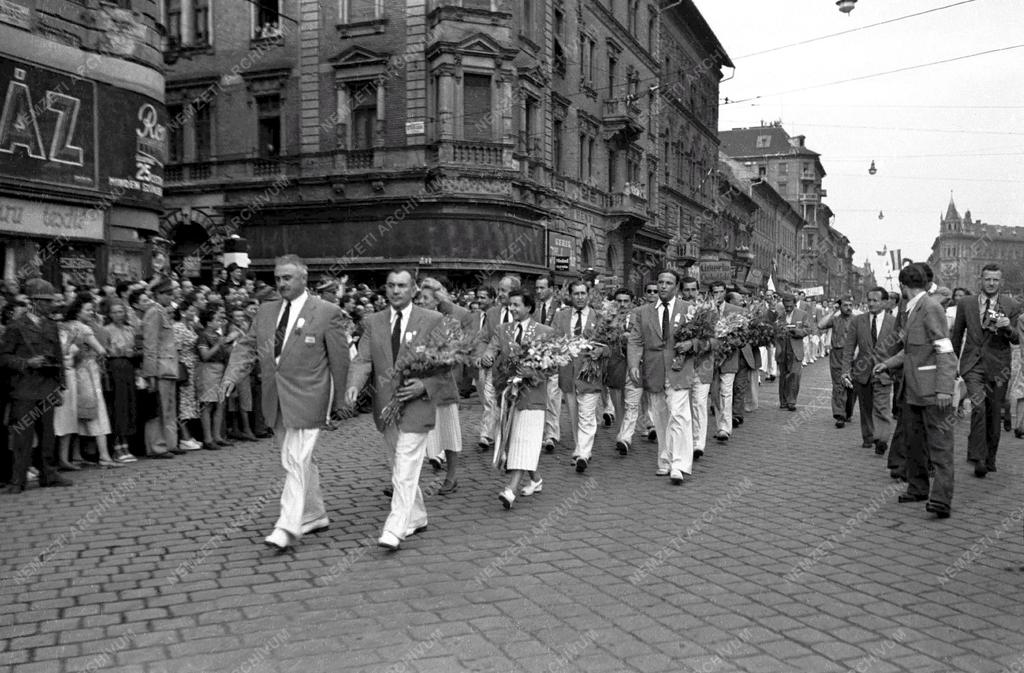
{"x":786,"y":551}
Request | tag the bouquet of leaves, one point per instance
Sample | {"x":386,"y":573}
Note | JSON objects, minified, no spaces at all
{"x":761,"y":332}
{"x":699,"y":325}
{"x":731,"y":335}
{"x":446,"y":346}
{"x":609,"y":334}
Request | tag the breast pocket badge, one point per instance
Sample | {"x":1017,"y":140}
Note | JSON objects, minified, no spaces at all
{"x":310,"y":340}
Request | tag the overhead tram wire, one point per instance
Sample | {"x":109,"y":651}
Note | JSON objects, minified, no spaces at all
{"x":877,"y":74}
{"x":852,"y":30}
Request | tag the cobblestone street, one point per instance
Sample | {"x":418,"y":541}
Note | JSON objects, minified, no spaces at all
{"x":785,"y":551}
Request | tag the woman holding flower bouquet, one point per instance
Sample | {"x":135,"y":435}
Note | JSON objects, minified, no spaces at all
{"x":528,"y":396}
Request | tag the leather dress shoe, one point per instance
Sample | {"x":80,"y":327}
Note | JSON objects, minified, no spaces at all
{"x":549,"y":446}
{"x":608,"y":420}
{"x":435,"y":463}
{"x":224,"y":442}
{"x":980,"y":470}
{"x":162,"y":456}
{"x":389,"y":541}
{"x":880,"y":448}
{"x":940,"y":511}
{"x":581,"y":465}
{"x":652,"y":435}
{"x":622,"y":447}
{"x":1018,"y":433}
{"x":791,"y":407}
{"x":178,"y":452}
{"x":737,"y":421}
{"x":698,"y":454}
{"x":279,"y":540}
{"x":317,"y":526}
{"x":722,"y":436}
{"x":909,"y":497}
{"x":849,"y":419}
{"x":448,"y":487}
{"x":867,"y":445}
{"x":210,"y":446}
{"x":840,"y":422}
{"x":388,"y":490}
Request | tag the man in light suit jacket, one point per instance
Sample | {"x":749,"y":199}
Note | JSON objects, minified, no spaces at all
{"x":725,"y":373}
{"x":302,"y":348}
{"x":496,"y":315}
{"x":581,"y":397}
{"x":929,"y":367}
{"x":544,"y":313}
{"x":387,"y":335}
{"x":160,"y":369}
{"x":984,"y":329}
{"x":869,"y":339}
{"x":652,"y":341}
{"x":794,"y":326}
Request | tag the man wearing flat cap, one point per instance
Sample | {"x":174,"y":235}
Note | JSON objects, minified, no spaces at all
{"x":30,"y":351}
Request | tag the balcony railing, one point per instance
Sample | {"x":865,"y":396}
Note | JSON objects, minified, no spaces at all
{"x":808,"y":175}
{"x":478,"y":153}
{"x":628,"y":203}
{"x":360,"y":159}
{"x":808,"y":198}
{"x":619,"y":109}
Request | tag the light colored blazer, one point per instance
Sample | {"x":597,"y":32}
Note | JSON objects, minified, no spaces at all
{"x":375,"y":357}
{"x":315,"y":354}
{"x":159,"y":350}
{"x":858,"y":339}
{"x":646,"y":344}
{"x":568,"y":377}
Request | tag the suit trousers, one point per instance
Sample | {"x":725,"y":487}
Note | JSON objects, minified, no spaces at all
{"x":446,"y":435}
{"x":929,"y":440}
{"x":789,"y":380}
{"x":489,"y":403}
{"x":741,"y":389}
{"x":673,"y":421}
{"x":873,"y":399}
{"x":897,"y":461}
{"x":582,"y":408}
{"x":842,"y":397}
{"x":28,"y":420}
{"x":699,"y":414}
{"x":987,"y":397}
{"x":301,"y":500}
{"x":405,"y":451}
{"x":632,"y":397}
{"x":723,"y":402}
{"x":162,"y":431}
{"x":553,"y":411}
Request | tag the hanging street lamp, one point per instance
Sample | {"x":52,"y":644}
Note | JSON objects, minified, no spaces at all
{"x":846,"y":6}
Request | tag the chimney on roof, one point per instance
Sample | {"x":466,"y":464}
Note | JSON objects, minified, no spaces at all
{"x":797,"y":141}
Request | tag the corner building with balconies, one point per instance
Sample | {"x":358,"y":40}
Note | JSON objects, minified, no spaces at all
{"x":464,"y":137}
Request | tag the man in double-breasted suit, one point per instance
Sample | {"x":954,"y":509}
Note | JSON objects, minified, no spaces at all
{"x":302,"y":348}
{"x":794,"y":326}
{"x":869,"y":339}
{"x":30,"y":352}
{"x":581,"y":397}
{"x":929,"y":367}
{"x":387,"y":335}
{"x":548,"y":304}
{"x":652,"y":341}
{"x":984,"y":329}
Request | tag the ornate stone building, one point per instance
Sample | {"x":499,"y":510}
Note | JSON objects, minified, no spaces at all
{"x":965,"y":245}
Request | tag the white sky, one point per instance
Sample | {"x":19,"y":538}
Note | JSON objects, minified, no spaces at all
{"x":893,"y":119}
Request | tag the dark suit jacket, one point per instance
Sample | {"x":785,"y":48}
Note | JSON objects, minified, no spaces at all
{"x":805,"y":326}
{"x":646,"y":344}
{"x":314,"y":354}
{"x":22,"y":340}
{"x":555,"y":306}
{"x":925,"y":372}
{"x":569,"y":380}
{"x":500,"y":346}
{"x":375,"y":357}
{"x":860,"y":355}
{"x":984,"y":349}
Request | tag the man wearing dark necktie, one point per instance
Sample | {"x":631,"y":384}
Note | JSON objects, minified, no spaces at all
{"x":834,"y":327}
{"x":581,"y":396}
{"x":547,"y":306}
{"x":870,"y":339}
{"x":495,"y":317}
{"x":984,"y":330}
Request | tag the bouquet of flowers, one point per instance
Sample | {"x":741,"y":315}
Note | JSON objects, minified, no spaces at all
{"x":761,"y":332}
{"x":699,"y":325}
{"x":445,"y":347}
{"x":609,"y":334}
{"x":535,"y":361}
{"x":731,"y":335}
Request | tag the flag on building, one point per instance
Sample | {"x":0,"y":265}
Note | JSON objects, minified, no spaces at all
{"x":896,"y":257}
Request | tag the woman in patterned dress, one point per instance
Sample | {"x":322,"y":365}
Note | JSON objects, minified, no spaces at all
{"x":122,"y":357}
{"x":185,"y":337}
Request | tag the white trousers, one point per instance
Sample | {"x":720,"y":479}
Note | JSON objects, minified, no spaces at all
{"x":699,"y":414}
{"x":583,"y":415}
{"x":632,"y":397}
{"x":768,"y":364}
{"x":446,"y":434}
{"x":553,"y":412}
{"x":405,"y":455}
{"x":673,"y":422}
{"x":489,"y":402}
{"x":301,"y":500}
{"x":723,"y":403}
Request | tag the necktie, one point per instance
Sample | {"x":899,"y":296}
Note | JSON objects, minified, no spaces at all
{"x":483,"y":321}
{"x":504,"y":316}
{"x":544,"y":314}
{"x":664,"y":321}
{"x":282,"y":329}
{"x":988,"y":305}
{"x":578,"y":329}
{"x":519,"y":333}
{"x":396,"y":337}
{"x":874,"y":329}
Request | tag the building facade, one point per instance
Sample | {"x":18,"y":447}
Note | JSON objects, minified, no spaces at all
{"x":965,"y":245}
{"x":464,"y":137}
{"x":82,"y":139}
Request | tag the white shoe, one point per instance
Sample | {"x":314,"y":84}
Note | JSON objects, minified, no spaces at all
{"x":507,"y":497}
{"x":316,"y":526}
{"x":676,"y":477}
{"x":189,"y":445}
{"x":532,"y":487}
{"x":662,"y":472}
{"x":279,"y":540}
{"x":389,"y":541}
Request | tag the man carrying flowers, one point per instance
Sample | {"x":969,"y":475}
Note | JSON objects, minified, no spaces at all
{"x":581,"y":388}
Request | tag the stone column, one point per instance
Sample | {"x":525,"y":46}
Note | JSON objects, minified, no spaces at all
{"x":188,"y":23}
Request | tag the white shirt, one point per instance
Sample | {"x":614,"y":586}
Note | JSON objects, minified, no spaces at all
{"x":913,"y":302}
{"x":293,"y":316}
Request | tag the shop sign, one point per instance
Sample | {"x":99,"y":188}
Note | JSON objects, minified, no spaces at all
{"x":15,"y":14}
{"x":755,"y":277}
{"x":816,"y":291}
{"x":50,"y":219}
{"x":134,"y":152}
{"x":561,"y":251}
{"x":713,"y":272}
{"x":47,"y":125}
